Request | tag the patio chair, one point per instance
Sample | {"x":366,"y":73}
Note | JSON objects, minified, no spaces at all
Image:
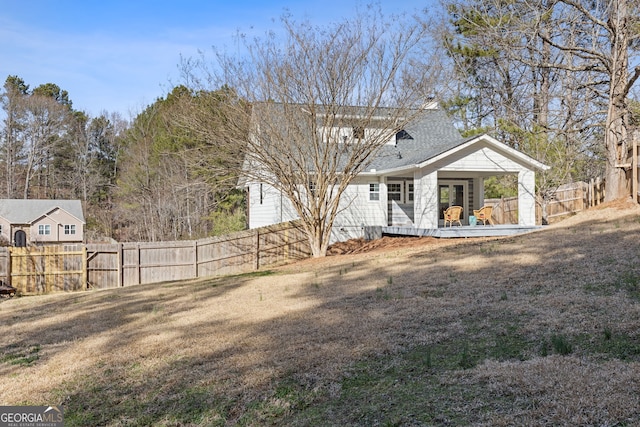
{"x":452,"y":214}
{"x":484,"y":214}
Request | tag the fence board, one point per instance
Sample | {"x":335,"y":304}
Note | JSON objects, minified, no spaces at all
{"x":127,"y":264}
{"x":44,"y":269}
{"x":564,"y":200}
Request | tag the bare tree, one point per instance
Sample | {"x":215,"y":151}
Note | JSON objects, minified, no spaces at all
{"x":13,"y":103}
{"x":45,"y":119}
{"x":309,"y":110}
{"x":580,"y":54}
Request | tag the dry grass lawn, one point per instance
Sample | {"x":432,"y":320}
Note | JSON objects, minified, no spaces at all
{"x":538,"y":329}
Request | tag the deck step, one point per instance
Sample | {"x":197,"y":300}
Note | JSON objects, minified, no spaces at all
{"x":376,"y":232}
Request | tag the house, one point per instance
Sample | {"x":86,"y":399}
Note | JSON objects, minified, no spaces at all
{"x":426,"y":168}
{"x":27,"y":222}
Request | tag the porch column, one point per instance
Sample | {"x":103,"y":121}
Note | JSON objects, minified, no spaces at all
{"x":478,"y":194}
{"x":527,"y":198}
{"x":425,"y":207}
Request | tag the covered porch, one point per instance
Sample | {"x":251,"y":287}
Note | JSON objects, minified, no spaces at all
{"x":417,"y":198}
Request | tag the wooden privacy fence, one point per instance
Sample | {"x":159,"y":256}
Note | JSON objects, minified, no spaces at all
{"x":44,"y":269}
{"x":125,"y":264}
{"x":100,"y":266}
{"x":564,"y":200}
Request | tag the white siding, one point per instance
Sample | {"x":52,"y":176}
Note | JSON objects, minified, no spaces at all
{"x":526,"y":198}
{"x":341,"y":134}
{"x":482,"y":160}
{"x":426,"y":199}
{"x":267,"y":206}
{"x":357,"y":210}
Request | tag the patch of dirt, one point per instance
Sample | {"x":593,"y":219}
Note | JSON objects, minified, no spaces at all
{"x":358,"y":246}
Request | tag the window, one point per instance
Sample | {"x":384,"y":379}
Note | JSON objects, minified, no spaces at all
{"x":44,"y":229}
{"x":410,"y":192}
{"x":69,"y":229}
{"x":403,"y":135}
{"x":358,"y":132}
{"x":395,"y":191}
{"x":312,"y":188}
{"x":374,"y":191}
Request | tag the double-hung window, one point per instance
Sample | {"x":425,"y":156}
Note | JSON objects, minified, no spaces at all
{"x":395,"y":191}
{"x":69,"y":229}
{"x":374,"y":191}
{"x":44,"y":229}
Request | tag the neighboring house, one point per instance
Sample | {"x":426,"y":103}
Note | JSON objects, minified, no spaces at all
{"x":415,"y":177}
{"x":27,"y":222}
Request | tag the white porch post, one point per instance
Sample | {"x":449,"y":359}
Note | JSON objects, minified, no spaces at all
{"x":527,"y":198}
{"x":425,"y":207}
{"x":384,"y":199}
{"x":478,"y":189}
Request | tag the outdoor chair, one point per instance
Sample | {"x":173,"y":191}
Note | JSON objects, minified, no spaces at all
{"x":484,"y":214}
{"x":452,"y":215}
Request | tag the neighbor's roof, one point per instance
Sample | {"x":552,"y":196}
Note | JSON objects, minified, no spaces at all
{"x":25,"y":211}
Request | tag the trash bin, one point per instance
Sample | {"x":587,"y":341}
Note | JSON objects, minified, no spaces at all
{"x":473,"y":221}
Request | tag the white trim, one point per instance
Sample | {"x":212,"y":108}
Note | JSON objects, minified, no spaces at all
{"x":48,"y":213}
{"x":530,"y":161}
{"x":492,"y":142}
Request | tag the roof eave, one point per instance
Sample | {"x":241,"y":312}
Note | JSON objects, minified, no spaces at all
{"x":379,"y":172}
{"x":530,"y":161}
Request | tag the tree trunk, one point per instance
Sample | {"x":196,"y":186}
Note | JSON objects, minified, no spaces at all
{"x":616,"y":137}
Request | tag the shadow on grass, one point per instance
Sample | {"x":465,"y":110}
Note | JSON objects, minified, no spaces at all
{"x":379,"y":341}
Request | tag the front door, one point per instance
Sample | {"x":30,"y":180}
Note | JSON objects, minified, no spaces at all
{"x":20,"y":239}
{"x":452,"y":193}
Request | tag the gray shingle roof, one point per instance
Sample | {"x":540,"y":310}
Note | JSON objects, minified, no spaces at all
{"x":24,"y":211}
{"x":432,"y":134}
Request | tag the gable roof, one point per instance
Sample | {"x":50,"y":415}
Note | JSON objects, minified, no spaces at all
{"x":498,"y":146}
{"x":433,"y":138}
{"x":431,"y":134}
{"x":25,"y":211}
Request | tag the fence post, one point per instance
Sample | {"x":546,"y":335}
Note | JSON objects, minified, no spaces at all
{"x":9,"y":265}
{"x":139,"y":266}
{"x":257,"y":264}
{"x":286,"y":244}
{"x":195,"y":259}
{"x":85,"y":267}
{"x":120,"y":264}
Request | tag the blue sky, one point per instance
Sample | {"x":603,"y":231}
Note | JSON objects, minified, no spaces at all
{"x":121,"y":55}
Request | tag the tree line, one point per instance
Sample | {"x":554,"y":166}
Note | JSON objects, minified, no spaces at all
{"x":552,"y":78}
{"x":139,"y":180}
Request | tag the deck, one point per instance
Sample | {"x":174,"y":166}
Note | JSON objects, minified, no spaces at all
{"x":377,"y":232}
